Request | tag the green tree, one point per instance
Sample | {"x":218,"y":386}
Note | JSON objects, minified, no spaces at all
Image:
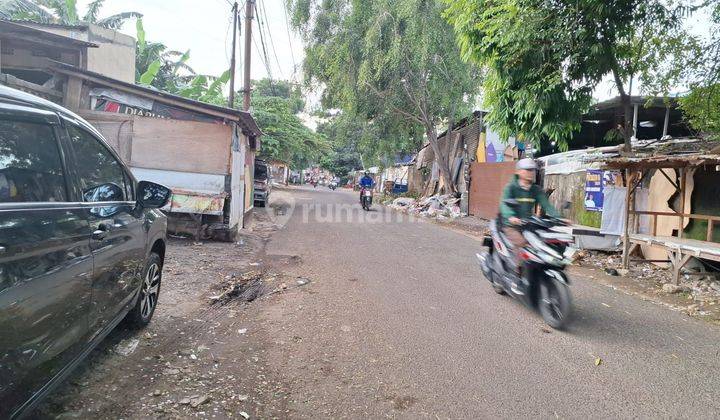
{"x":701,"y":72}
{"x":285,"y":137}
{"x":280,"y":88}
{"x":62,"y":12}
{"x":346,"y":136}
{"x":393,"y":63}
{"x":545,"y":58}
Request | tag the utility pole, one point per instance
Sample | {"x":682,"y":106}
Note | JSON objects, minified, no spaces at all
{"x":231,"y":101}
{"x":249,"y":11}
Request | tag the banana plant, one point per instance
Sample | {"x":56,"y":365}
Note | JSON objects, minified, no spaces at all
{"x":62,"y":12}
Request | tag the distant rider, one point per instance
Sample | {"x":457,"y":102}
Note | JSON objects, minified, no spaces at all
{"x":366,"y":182}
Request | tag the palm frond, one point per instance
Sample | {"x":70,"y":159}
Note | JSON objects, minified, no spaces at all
{"x":25,"y":10}
{"x":91,"y":15}
{"x":186,"y":67}
{"x":117,"y":21}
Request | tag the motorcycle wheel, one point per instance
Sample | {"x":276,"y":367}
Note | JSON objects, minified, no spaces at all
{"x":554,"y":303}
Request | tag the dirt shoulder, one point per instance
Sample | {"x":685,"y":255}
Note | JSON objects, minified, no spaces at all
{"x":204,"y":353}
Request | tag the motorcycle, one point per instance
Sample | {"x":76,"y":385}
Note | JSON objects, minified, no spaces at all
{"x":366,"y":197}
{"x":332,"y":185}
{"x":543,"y":284}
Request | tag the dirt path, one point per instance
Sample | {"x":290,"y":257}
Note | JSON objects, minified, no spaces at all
{"x":196,"y":358}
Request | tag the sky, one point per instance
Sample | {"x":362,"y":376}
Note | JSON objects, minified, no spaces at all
{"x":203,"y":27}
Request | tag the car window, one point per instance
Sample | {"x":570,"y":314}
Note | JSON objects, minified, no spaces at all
{"x":101,"y":176}
{"x":31,"y":168}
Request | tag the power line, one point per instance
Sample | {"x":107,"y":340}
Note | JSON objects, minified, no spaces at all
{"x":272,"y":43}
{"x":264,"y":47}
{"x":292,"y":55}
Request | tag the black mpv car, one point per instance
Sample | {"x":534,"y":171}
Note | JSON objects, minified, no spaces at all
{"x":81,"y":246}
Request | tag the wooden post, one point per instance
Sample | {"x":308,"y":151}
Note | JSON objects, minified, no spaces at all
{"x":667,"y":121}
{"x":626,"y":235}
{"x":683,"y":179}
{"x":654,"y":229}
{"x":710,"y":230}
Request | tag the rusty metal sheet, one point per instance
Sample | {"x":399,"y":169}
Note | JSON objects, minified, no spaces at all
{"x":196,"y":203}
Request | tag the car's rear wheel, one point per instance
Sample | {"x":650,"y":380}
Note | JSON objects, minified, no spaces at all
{"x":145,"y":306}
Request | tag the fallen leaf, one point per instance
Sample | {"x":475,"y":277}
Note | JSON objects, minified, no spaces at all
{"x":598,"y":361}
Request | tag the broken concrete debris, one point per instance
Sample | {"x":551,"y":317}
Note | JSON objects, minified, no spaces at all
{"x":127,"y":347}
{"x":436,"y":206}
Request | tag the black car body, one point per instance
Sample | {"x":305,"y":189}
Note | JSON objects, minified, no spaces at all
{"x":81,"y":246}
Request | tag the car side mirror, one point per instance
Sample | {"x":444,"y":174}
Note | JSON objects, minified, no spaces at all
{"x":152,"y":195}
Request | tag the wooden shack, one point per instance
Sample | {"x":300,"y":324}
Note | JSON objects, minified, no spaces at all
{"x":199,"y":150}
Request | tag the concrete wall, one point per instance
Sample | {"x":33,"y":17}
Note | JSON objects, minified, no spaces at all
{"x":115,"y":55}
{"x":487,"y":181}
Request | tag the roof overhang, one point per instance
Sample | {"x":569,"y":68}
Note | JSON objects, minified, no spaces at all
{"x":24,"y":33}
{"x":659,"y":162}
{"x":244,"y":119}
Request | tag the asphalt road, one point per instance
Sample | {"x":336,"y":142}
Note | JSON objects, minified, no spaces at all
{"x":399,"y":322}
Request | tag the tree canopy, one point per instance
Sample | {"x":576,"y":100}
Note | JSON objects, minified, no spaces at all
{"x":275,"y":106}
{"x":545,"y":59}
{"x":701,"y":71}
{"x":62,"y":12}
{"x":392,"y":63}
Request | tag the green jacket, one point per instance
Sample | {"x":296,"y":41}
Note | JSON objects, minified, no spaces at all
{"x":527,"y":198}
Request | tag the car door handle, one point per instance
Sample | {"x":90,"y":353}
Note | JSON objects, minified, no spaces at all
{"x":101,"y":232}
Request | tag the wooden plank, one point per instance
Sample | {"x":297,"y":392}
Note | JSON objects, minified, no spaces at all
{"x":118,"y":132}
{"x":626,"y":235}
{"x":683,"y":186}
{"x":686,"y":215}
{"x":184,"y":146}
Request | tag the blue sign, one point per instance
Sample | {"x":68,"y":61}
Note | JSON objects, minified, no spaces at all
{"x":594,"y":190}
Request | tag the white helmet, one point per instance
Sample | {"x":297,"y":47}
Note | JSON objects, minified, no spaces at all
{"x":526,"y":164}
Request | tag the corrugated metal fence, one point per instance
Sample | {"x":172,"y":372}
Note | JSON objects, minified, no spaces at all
{"x":487,"y":181}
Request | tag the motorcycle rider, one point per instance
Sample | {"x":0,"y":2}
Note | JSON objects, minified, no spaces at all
{"x":365,"y":182}
{"x":523,"y":189}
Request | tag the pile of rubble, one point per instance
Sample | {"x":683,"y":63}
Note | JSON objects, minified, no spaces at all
{"x":699,"y":290}
{"x":437,"y":206}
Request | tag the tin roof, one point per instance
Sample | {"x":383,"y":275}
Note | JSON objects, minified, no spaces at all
{"x":247,"y":122}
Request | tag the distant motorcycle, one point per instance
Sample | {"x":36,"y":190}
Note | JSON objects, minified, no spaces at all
{"x":332,"y":185}
{"x":544,"y":286}
{"x":366,"y":197}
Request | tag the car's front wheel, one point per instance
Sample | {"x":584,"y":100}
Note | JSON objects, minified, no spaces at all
{"x":145,"y":306}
